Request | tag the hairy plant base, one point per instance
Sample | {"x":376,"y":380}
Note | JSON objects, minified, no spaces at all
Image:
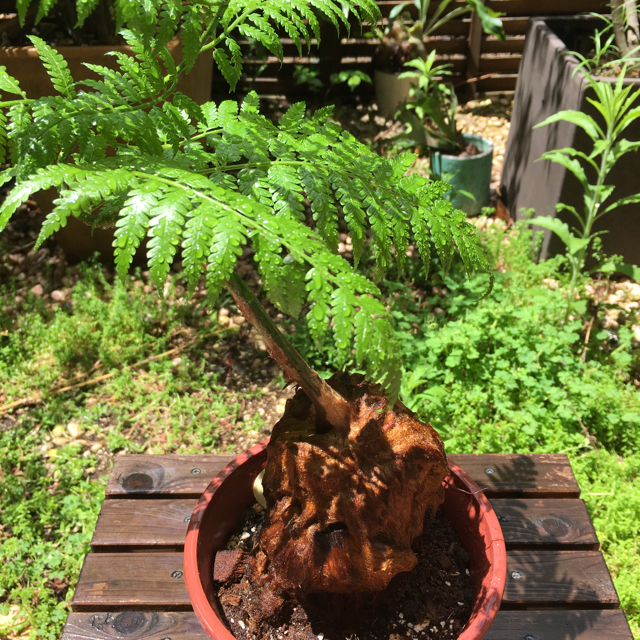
{"x":345,"y":506}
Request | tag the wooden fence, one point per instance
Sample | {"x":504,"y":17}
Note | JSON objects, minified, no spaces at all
{"x":473,"y":54}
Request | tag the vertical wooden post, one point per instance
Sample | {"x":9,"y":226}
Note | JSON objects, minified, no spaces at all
{"x":473,"y":56}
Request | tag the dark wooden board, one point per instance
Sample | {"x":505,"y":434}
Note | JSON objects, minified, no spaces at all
{"x":541,"y":523}
{"x":548,"y":523}
{"x":562,"y":579}
{"x":138,"y":625}
{"x":143,"y":475}
{"x":501,"y":475}
{"x":508,"y":625}
{"x":131,"y":581}
{"x":560,"y":625}
{"x":139,"y":523}
{"x":512,"y":475}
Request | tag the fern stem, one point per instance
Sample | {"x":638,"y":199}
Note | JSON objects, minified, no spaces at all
{"x":330,"y":405}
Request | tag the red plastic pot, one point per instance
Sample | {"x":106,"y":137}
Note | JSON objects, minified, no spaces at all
{"x":231,"y":492}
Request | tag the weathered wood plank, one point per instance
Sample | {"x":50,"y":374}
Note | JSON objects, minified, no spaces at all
{"x":153,"y":581}
{"x":545,"y":523}
{"x":142,"y":523}
{"x":131,"y":581}
{"x":561,"y":579}
{"x":513,"y":475}
{"x":560,"y":625}
{"x":500,"y":475}
{"x":541,"y":523}
{"x":143,"y":475}
{"x":141,"y":625}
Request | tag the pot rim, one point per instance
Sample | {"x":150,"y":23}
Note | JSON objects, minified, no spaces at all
{"x":470,"y":137}
{"x":485,"y":606}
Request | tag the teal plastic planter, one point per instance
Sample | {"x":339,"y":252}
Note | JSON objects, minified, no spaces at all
{"x":472,"y":174}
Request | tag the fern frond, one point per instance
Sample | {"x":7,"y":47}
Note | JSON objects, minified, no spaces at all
{"x":323,"y":206}
{"x":319,"y":298}
{"x":56,"y":67}
{"x":84,"y":8}
{"x":191,"y":30}
{"x":228,"y":238}
{"x":165,"y":233}
{"x":133,"y":224}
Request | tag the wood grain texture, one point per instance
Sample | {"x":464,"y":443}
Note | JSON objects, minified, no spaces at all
{"x":131,"y":581}
{"x":541,"y":523}
{"x":133,"y":625}
{"x":142,"y":523}
{"x":545,"y":523}
{"x":560,"y":625}
{"x":561,"y":579}
{"x":504,"y":475}
{"x":144,"y":475}
{"x":513,"y":475}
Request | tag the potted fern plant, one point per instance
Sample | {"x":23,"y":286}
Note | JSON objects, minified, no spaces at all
{"x":203,"y":181}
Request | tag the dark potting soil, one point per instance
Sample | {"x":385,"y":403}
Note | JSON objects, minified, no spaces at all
{"x":432,"y":601}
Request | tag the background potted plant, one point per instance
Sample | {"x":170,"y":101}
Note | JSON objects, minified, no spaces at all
{"x":404,"y":39}
{"x":462,"y":160}
{"x":131,"y":151}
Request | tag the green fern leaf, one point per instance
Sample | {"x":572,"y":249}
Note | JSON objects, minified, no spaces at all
{"x":229,"y":238}
{"x":228,"y":71}
{"x":56,"y":67}
{"x":343,"y":303}
{"x":286,"y":191}
{"x":284,"y":281}
{"x":22,"y":7}
{"x":323,"y":207}
{"x":3,"y":136}
{"x":10,"y":84}
{"x":196,"y":245}
{"x":349,"y":198}
{"x":84,"y":8}
{"x":132,"y":225}
{"x":319,"y":297}
{"x":64,"y":207}
{"x":165,"y":233}
{"x":190,"y":33}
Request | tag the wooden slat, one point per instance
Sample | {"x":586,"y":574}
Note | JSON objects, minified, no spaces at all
{"x":515,"y":44}
{"x":141,"y":625}
{"x":144,"y":475}
{"x":141,"y":523}
{"x":560,"y":625}
{"x":508,"y":625}
{"x":503,"y":475}
{"x":546,"y":7}
{"x":131,"y":582}
{"x":545,"y":523}
{"x":514,"y":475}
{"x":541,"y":523}
{"x":561,"y":579}
{"x":499,"y":83}
{"x":503,"y":64}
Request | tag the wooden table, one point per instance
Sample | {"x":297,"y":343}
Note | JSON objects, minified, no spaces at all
{"x":558,"y":586}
